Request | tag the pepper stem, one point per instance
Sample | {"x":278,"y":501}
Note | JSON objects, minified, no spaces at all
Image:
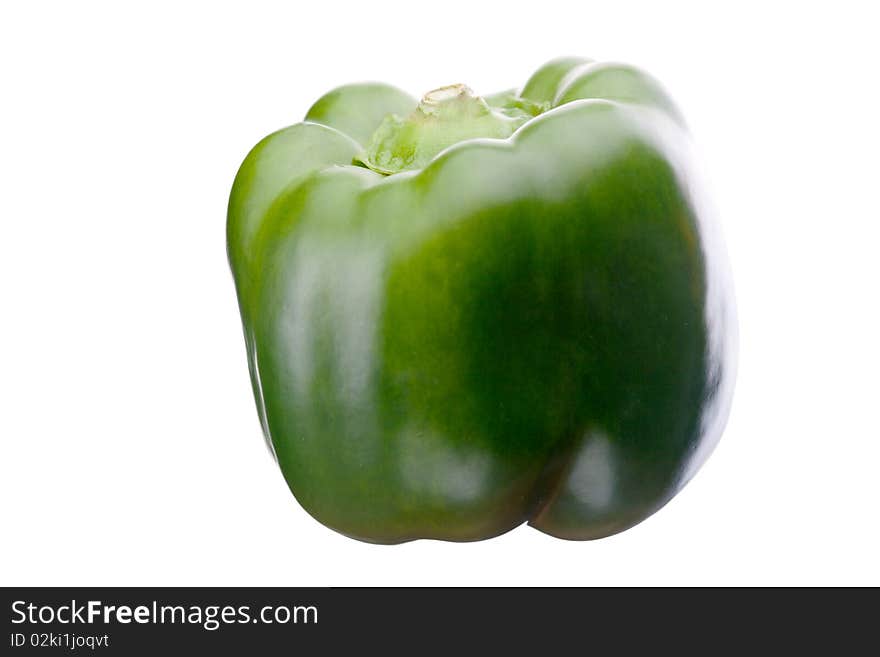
{"x":444,"y":117}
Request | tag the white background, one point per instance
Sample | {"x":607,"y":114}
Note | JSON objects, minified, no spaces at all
{"x":131,"y":451}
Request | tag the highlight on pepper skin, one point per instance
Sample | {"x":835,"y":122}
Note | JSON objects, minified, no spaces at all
{"x":466,"y":313}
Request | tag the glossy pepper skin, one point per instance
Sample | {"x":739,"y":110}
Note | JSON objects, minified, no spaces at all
{"x":450,"y":335}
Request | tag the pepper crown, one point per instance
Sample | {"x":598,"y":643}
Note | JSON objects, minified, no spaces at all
{"x":444,"y":117}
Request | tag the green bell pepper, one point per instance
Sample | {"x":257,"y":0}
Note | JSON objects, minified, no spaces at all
{"x":466,"y":313}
